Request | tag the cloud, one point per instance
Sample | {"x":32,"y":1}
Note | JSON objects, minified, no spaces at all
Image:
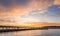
{"x":56,"y":2}
{"x":6,"y":3}
{"x":21,"y":3}
{"x":14,"y":9}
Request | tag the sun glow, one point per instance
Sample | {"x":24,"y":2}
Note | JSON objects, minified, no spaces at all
{"x":28,"y":19}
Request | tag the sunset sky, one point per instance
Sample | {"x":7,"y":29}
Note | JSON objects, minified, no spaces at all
{"x":20,"y":11}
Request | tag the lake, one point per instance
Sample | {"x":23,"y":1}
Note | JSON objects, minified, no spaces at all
{"x":49,"y":32}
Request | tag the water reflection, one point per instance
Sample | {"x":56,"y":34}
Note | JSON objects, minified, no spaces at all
{"x":49,"y":32}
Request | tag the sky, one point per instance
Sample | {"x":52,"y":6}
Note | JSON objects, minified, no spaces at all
{"x":20,"y":11}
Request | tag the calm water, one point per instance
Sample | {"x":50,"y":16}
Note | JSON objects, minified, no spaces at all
{"x":49,"y":32}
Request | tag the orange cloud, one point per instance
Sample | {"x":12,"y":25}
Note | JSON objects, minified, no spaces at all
{"x":15,"y":11}
{"x":18,"y":9}
{"x":42,"y":4}
{"x":56,"y":2}
{"x":35,"y":4}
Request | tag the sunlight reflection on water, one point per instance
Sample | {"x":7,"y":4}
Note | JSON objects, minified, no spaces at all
{"x":49,"y":32}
